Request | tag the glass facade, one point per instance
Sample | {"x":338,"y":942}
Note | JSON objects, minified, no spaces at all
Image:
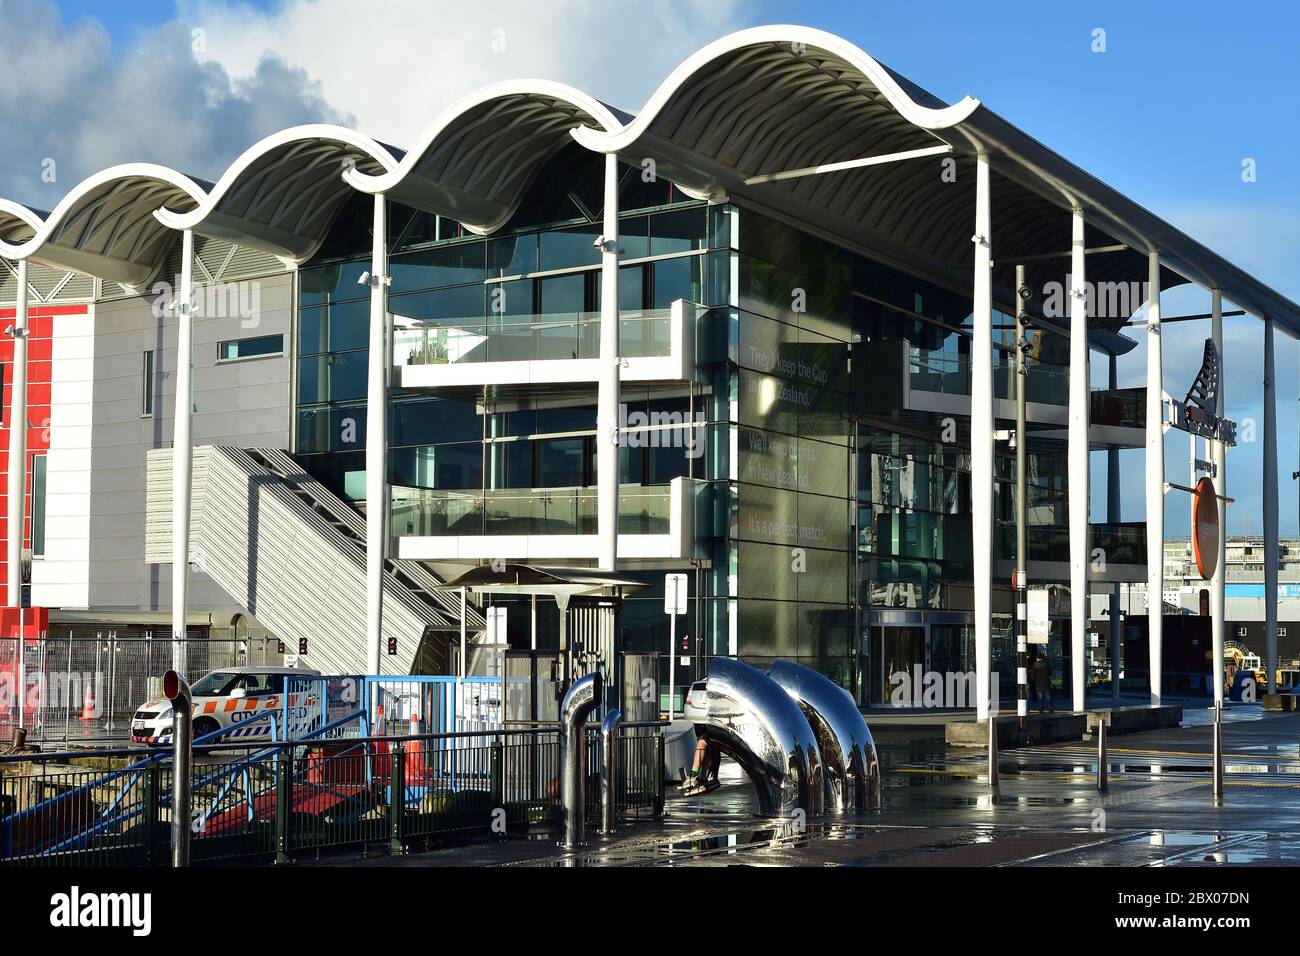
{"x":835,"y":527}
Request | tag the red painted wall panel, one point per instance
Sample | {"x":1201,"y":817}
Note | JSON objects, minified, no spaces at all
{"x":40,"y":348}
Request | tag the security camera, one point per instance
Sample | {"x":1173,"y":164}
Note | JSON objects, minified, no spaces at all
{"x":363,"y":279}
{"x":1026,"y":293}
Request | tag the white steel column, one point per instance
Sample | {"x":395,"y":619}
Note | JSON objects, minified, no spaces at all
{"x":464,"y":597}
{"x":182,"y":450}
{"x":1155,"y":478}
{"x":1077,"y":459}
{"x":17,"y":489}
{"x":607,"y":437}
{"x":981,"y":437}
{"x":1270,"y":509}
{"x":1218,"y":451}
{"x":376,"y":439}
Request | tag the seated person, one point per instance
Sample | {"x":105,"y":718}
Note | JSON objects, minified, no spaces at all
{"x":703,"y":777}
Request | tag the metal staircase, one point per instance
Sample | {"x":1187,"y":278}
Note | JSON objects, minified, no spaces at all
{"x":292,"y":554}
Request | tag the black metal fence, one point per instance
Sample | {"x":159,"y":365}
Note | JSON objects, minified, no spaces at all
{"x":295,"y":801}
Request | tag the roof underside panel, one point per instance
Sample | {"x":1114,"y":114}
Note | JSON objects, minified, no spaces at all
{"x":478,"y":168}
{"x":111,"y":230}
{"x":773,"y":106}
{"x":285,"y":201}
{"x":769,"y":109}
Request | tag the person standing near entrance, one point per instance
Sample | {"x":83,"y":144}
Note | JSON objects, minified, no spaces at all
{"x":1041,"y":672}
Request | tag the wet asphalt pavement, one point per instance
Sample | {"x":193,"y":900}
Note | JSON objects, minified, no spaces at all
{"x":939,"y":810}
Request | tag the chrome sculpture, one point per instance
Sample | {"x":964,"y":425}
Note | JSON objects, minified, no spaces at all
{"x":609,"y":772}
{"x":177,"y":690}
{"x":582,"y":698}
{"x":755,"y":722}
{"x":850,"y":765}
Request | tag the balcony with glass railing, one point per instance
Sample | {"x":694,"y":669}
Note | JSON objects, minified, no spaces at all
{"x":950,"y":375}
{"x":653,"y":521}
{"x":654,"y":344}
{"x":932,"y":374}
{"x":1120,"y":407}
{"x":1119,"y":542}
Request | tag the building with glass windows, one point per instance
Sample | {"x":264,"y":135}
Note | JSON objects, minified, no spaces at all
{"x":806,"y":407}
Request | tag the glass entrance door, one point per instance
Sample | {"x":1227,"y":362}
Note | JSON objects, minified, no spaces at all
{"x":895,"y":650}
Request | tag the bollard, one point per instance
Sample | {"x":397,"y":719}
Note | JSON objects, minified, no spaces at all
{"x":1217,"y":770}
{"x":1101,"y":754}
{"x":396,"y":797}
{"x":283,"y":806}
{"x":659,"y":774}
{"x":151,"y":798}
{"x":609,"y":779}
{"x":178,"y":692}
{"x":993,"y":751}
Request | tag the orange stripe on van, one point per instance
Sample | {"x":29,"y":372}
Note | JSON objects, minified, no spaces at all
{"x":210,"y":707}
{"x":231,"y":705}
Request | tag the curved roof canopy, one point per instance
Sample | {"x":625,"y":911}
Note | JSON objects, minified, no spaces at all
{"x":105,"y":225}
{"x":779,"y":99}
{"x":476,"y":161}
{"x":18,"y":223}
{"x":283,"y":193}
{"x":757,"y":115}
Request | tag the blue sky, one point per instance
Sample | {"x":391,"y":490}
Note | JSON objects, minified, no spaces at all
{"x":1182,"y":94}
{"x":1166,"y":115}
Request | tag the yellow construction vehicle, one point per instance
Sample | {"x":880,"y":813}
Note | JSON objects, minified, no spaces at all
{"x":1243,"y":664}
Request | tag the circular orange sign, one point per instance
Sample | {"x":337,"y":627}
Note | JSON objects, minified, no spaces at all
{"x":1205,"y":528}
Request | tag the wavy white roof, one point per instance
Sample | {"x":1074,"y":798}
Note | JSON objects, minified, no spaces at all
{"x":475,"y":162}
{"x":761,"y":101}
{"x":282,"y":193}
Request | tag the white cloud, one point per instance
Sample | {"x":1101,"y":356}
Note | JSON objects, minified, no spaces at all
{"x":396,"y":65}
{"x":71,"y":98}
{"x":388,"y":69}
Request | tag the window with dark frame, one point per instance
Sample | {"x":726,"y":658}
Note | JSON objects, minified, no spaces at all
{"x":261,"y":346}
{"x":39,"y":470}
{"x":146,"y":384}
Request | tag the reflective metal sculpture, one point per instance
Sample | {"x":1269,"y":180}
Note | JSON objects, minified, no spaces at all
{"x":850,"y":765}
{"x":583,"y":697}
{"x":610,"y":771}
{"x":759,"y":726}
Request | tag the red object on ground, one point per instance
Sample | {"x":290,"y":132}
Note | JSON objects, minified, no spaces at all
{"x":416,"y":764}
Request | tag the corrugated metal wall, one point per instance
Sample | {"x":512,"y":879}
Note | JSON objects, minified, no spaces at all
{"x":287,"y":550}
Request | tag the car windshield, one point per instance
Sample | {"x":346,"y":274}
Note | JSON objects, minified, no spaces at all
{"x":224,"y":683}
{"x":214,"y":684}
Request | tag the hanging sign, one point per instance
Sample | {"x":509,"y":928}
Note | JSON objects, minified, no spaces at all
{"x":1205,"y":528}
{"x":1039,"y":623}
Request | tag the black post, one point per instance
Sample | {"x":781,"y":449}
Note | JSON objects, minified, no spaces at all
{"x":396,"y":798}
{"x":1022,"y":507}
{"x":659,"y":773}
{"x":498,"y":774}
{"x":152,"y":788}
{"x":283,"y":806}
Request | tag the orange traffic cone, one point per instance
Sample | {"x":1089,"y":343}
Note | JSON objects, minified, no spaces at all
{"x":415,"y":763}
{"x":88,"y":706}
